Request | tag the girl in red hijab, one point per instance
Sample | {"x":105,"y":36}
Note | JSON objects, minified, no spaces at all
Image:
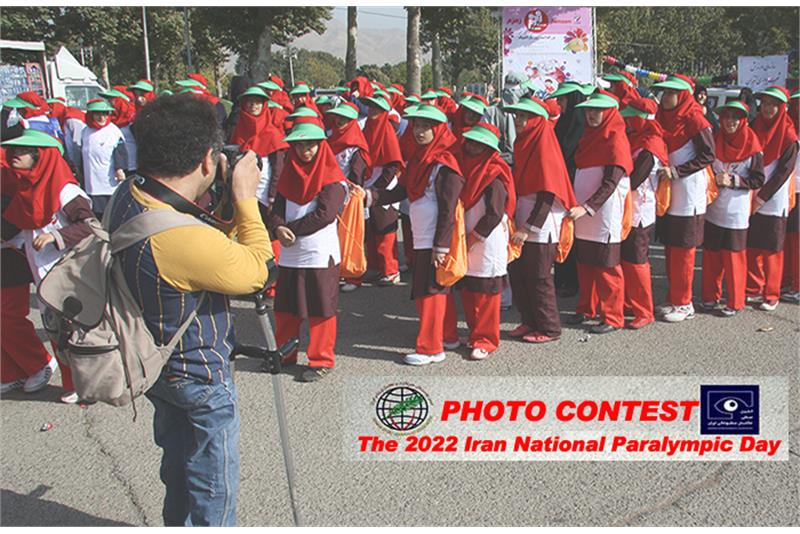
{"x":311,"y":193}
{"x":738,"y":169}
{"x":602,"y":183}
{"x":623,"y":86}
{"x":432,"y":183}
{"x":348,"y":143}
{"x":649,"y":153}
{"x":123,"y":117}
{"x":488,"y":198}
{"x":469,"y":113}
{"x":49,"y":211}
{"x":791,"y":256}
{"x":767,"y":233}
{"x":544,"y":195}
{"x":72,"y":121}
{"x":37,"y":116}
{"x":690,"y":143}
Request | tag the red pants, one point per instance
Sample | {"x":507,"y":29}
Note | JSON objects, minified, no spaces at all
{"x":382,"y":253}
{"x":482,"y":312}
{"x":791,"y":261}
{"x":764,"y":272}
{"x":638,"y":289}
{"x":734,"y":267}
{"x":680,"y":274}
{"x":602,"y":289}
{"x":22,"y":353}
{"x":322,"y":334}
{"x":432,"y":310}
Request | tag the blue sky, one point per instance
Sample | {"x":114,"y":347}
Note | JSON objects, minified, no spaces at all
{"x":391,"y":18}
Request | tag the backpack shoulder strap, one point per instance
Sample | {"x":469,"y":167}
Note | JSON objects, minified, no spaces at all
{"x":147,"y":224}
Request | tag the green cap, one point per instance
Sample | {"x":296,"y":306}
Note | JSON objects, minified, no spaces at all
{"x":774,"y":92}
{"x":482,"y":135}
{"x":305,"y":132}
{"x":616,"y":77}
{"x":565,"y":88}
{"x":303,"y":111}
{"x":395,"y":90}
{"x":530,"y":106}
{"x":38,"y":138}
{"x":55,"y":101}
{"x":191,"y":91}
{"x":273,"y":104}
{"x":165,"y":92}
{"x":254,"y":91}
{"x":378,"y":101}
{"x":188,"y":82}
{"x":631,"y":111}
{"x":17,"y":103}
{"x":600,"y":101}
{"x":269,"y":86}
{"x":323,"y":100}
{"x":429,"y":95}
{"x":796,"y":94}
{"x":102,"y":106}
{"x":425,"y":111}
{"x":345,"y":111}
{"x":474,"y":105}
{"x":142,"y":86}
{"x":341,"y":89}
{"x":675,"y":83}
{"x":412,"y":98}
{"x":439,"y":92}
{"x":411,"y":108}
{"x":732,"y":104}
{"x":300,"y":89}
{"x":113,"y":93}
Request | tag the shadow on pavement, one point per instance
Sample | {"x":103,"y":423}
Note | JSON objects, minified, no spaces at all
{"x":29,"y":510}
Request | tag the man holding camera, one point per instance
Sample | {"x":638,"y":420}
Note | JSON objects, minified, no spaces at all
{"x":187,"y":269}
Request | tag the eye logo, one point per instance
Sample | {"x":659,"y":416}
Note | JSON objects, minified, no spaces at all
{"x":731,"y":409}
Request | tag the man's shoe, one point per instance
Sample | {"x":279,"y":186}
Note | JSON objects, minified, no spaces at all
{"x":579,"y":318}
{"x":423,"y":359}
{"x":389,"y":280}
{"x":348,"y":287}
{"x":603,"y":328}
{"x":8,"y":387}
{"x":520,"y":331}
{"x":641,"y":322}
{"x":479,"y":354}
{"x":680,"y":313}
{"x":711,"y":305}
{"x":536,"y":337}
{"x":313,"y":374}
{"x":792,"y":297}
{"x":768,"y":305}
{"x":39,"y":380}
{"x":727,"y":312}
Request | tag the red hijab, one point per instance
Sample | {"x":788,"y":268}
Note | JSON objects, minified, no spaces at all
{"x":149,"y":96}
{"x":278,"y":117}
{"x":776,"y":134}
{"x":63,"y":112}
{"x":384,"y":148}
{"x":124,"y":110}
{"x":623,"y":91}
{"x":607,"y":144}
{"x":415,"y":177}
{"x":552,"y":107}
{"x":258,"y":133}
{"x":34,"y":98}
{"x":538,"y":163}
{"x":646,"y":134}
{"x":682,"y":122}
{"x":301,"y":182}
{"x":398,"y":100}
{"x":481,"y":170}
{"x":38,"y":195}
{"x":90,"y":120}
{"x":362,"y":85}
{"x":350,"y":135}
{"x":739,"y":145}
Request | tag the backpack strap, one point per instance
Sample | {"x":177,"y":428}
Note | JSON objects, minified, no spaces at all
{"x":147,"y":224}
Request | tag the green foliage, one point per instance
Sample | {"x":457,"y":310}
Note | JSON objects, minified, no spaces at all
{"x":318,"y":69}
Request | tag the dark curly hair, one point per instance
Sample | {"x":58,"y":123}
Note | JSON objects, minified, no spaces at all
{"x":174,"y":133}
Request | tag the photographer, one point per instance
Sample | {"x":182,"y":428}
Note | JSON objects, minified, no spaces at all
{"x":185,"y":269}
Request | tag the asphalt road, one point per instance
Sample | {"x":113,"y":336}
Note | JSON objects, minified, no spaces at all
{"x":97,"y":467}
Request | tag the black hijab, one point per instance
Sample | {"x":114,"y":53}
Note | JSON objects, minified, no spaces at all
{"x":569,"y":129}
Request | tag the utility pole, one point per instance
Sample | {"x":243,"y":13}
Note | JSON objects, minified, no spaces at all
{"x":290,"y":54}
{"x":146,"y":44}
{"x":187,"y":39}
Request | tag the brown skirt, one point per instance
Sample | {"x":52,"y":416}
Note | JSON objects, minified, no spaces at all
{"x":793,"y":225}
{"x":636,"y":246}
{"x":683,"y":232}
{"x":423,"y":282}
{"x":474,"y":284}
{"x":382,"y":219}
{"x":719,"y":238}
{"x":597,"y":254}
{"x":308,"y":292}
{"x":766,"y":232}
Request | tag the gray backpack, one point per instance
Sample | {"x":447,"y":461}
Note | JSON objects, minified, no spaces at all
{"x":94,"y":319}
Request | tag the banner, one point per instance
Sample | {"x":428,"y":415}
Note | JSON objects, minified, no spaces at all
{"x":548,"y":45}
{"x":759,"y":72}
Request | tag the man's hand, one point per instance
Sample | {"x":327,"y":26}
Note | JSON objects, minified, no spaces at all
{"x":42,"y":240}
{"x":119,"y":174}
{"x":577,"y":212}
{"x":438,"y":259}
{"x":285,"y":236}
{"x":519,"y":237}
{"x":246,"y":176}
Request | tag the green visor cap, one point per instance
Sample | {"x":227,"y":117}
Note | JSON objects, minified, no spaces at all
{"x":395,"y":90}
{"x":102,"y":107}
{"x":774,"y":93}
{"x":165,"y":92}
{"x":732,"y":104}
{"x":300,"y":90}
{"x":341,"y":89}
{"x":631,"y":111}
{"x":303,"y":111}
{"x":528,"y":105}
{"x":269,"y":86}
{"x":474,"y":105}
{"x":796,"y":94}
{"x":412,"y":98}
{"x":599,"y":101}
{"x":189,"y":83}
{"x":113,"y":93}
{"x":484,"y":136}
{"x":615,"y":77}
{"x":17,"y":103}
{"x":439,"y":92}
{"x":380,"y":102}
{"x":254,"y":91}
{"x":55,"y":101}
{"x":191,"y":91}
{"x":141,"y":85}
{"x":35,"y":138}
{"x":675,"y":83}
{"x":323,"y":100}
{"x":425,"y":111}
{"x":430,"y":95}
{"x":566,"y":88}
{"x":273,"y":104}
{"x":344,"y":111}
{"x":305,"y":132}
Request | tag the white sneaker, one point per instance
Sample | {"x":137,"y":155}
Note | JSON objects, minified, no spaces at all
{"x":38,"y":381}
{"x":10,"y":386}
{"x":452,"y":345}
{"x":423,"y":359}
{"x":70,"y":397}
{"x":348,"y":287}
{"x":479,"y":354}
{"x":768,"y":305}
{"x":664,"y":309}
{"x":680,"y":313}
{"x":754,"y":299}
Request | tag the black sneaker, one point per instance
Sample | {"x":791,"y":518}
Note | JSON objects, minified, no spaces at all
{"x":579,"y":318}
{"x":727,"y":312}
{"x":313,"y":374}
{"x":603,"y":328}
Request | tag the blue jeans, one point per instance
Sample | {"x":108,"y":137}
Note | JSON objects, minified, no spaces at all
{"x":197,"y":426}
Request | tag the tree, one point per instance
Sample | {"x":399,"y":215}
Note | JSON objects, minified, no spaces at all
{"x":412,"y":50}
{"x":319,"y":69}
{"x":352,"y":36}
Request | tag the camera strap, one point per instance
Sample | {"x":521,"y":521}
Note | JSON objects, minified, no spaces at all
{"x":166,"y":195}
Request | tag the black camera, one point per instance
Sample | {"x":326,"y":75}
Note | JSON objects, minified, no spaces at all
{"x":220,"y":190}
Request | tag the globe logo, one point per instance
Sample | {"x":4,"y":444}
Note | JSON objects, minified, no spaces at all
{"x":402,"y":408}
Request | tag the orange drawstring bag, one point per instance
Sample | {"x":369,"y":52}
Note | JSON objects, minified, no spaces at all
{"x":351,"y":236}
{"x":627,"y":217}
{"x":663,"y":196}
{"x":514,"y":251}
{"x":455,"y":262}
{"x":712,"y":191}
{"x":565,"y":239}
